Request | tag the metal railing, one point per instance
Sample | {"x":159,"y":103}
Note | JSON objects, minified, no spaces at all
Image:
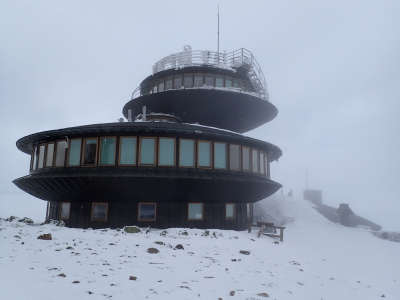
{"x":232,"y":60}
{"x":195,"y":81}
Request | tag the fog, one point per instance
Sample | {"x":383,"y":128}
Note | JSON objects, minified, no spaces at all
{"x":332,"y":69}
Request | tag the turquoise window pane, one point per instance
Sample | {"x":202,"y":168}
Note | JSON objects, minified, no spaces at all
{"x":60,"y":153}
{"x":74,"y":153}
{"x":34,"y":158}
{"x":234,"y":157}
{"x":167,"y":152}
{"x":255,"y":160}
{"x":219,"y":155}
{"x":262,"y":163}
{"x":107,"y":151}
{"x":41,"y":157}
{"x":49,"y":155}
{"x":186,"y":153}
{"x":147,"y":151}
{"x":246,"y":159}
{"x":65,"y":207}
{"x":219,"y":81}
{"x":204,"y":149}
{"x":230,"y":211}
{"x":195,"y":211}
{"x":128,"y":151}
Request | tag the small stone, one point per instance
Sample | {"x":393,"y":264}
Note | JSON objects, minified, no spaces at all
{"x":46,"y":236}
{"x":232,"y":293}
{"x":160,"y":243}
{"x":132,"y":277}
{"x":185,"y":233}
{"x":132,"y":229}
{"x":76,"y":281}
{"x":62,"y":275}
{"x":244,"y":252}
{"x":276,"y":242}
{"x":179,"y":246}
{"x":90,"y":293}
{"x":263,"y":295}
{"x":152,"y":251}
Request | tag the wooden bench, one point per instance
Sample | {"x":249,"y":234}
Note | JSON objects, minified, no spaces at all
{"x":263,"y":226}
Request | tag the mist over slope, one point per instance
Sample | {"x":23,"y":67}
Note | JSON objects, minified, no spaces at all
{"x":317,"y":260}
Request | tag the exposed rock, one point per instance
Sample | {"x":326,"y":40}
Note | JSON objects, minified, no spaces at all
{"x":26,"y":220}
{"x":160,"y":243}
{"x":185,"y":233}
{"x":132,"y":277}
{"x":164,"y":233}
{"x":46,"y":236}
{"x":90,"y":293}
{"x":263,"y":295}
{"x":152,"y":251}
{"x":179,"y":246}
{"x":62,"y":275}
{"x":132,"y":229}
{"x":76,"y":281}
{"x":206,"y":233}
{"x":232,"y":293}
{"x":244,"y":252}
{"x":148,"y":230}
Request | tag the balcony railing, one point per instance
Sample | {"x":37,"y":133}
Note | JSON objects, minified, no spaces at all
{"x":232,"y":60}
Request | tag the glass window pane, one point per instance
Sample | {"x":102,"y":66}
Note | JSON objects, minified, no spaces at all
{"x":65,"y":206}
{"x":35,"y":155}
{"x":107,"y":151}
{"x":246,"y":159}
{"x":236,"y":83}
{"x":177,"y":82}
{"x":219,"y":81}
{"x":266,"y":166}
{"x":161,"y":85}
{"x":90,"y":151}
{"x":186,"y":153}
{"x":49,"y":155}
{"x":262,"y":163}
{"x":249,"y":210}
{"x":99,"y":212}
{"x":41,"y":156}
{"x":188,"y":80}
{"x":230,"y":211}
{"x":209,"y":80}
{"x":198,"y":80}
{"x":60,"y":153}
{"x":74,"y":153}
{"x":166,"y":152}
{"x":168,"y":83}
{"x":128,"y":151}
{"x":147,"y":211}
{"x":147,"y":151}
{"x":219,"y":155}
{"x":228,"y":82}
{"x":234,"y":157}
{"x":204,"y":154}
{"x":195,"y":211}
{"x":254,"y":159}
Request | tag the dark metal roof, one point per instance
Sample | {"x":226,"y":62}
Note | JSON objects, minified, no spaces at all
{"x":27,"y":143}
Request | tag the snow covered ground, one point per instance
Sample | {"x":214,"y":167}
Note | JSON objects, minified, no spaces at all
{"x":317,"y":260}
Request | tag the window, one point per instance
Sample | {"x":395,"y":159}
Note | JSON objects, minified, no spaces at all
{"x":236,"y":83}
{"x":204,"y":154}
{"x":250,"y":211}
{"x":161,"y":85}
{"x":147,"y":153}
{"x":230,"y":209}
{"x":41,"y":156}
{"x":254,"y":159}
{"x":219,"y":155}
{"x":166,"y":152}
{"x":267,"y":170}
{"x":107,"y":151}
{"x":209,"y":80}
{"x":188,"y":80}
{"x":60,"y":154}
{"x":127,"y":151}
{"x":186,"y":153}
{"x":195,"y":211}
{"x":228,"y":82}
{"x":147,"y":212}
{"x":246,"y":159}
{"x":89,"y":155}
{"x":168,"y":83}
{"x":64,"y":210}
{"x":34,"y":159}
{"x":74,"y":153}
{"x":219,"y":81}
{"x":99,"y":211}
{"x":49,"y":155}
{"x":234,"y":157}
{"x":177,"y":82}
{"x":198,"y":80}
{"x":262,"y":163}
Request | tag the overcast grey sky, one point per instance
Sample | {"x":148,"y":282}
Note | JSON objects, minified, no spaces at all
{"x":332,"y":68}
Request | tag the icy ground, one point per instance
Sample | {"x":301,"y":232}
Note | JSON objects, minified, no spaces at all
{"x":317,"y":260}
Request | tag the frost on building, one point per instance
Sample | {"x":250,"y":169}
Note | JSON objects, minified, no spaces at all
{"x":180,"y":160}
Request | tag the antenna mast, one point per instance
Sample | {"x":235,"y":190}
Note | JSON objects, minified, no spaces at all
{"x":218,"y":32}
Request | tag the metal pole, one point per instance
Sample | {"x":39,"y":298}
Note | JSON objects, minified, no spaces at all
{"x":218,"y":33}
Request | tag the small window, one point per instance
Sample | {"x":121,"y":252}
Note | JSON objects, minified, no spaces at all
{"x":147,"y":212}
{"x":250,"y":211}
{"x":188,"y":80}
{"x":228,"y":82}
{"x":219,"y":81}
{"x":161,"y":85}
{"x":49,"y":155}
{"x":60,"y":154}
{"x":236,"y":83}
{"x":168,"y":83}
{"x":219,"y":155}
{"x":64,"y":210}
{"x":178,"y":81}
{"x":34,"y":159}
{"x":127,"y":151}
{"x":186,"y":153}
{"x":204,"y":154}
{"x":209,"y":80}
{"x":246,"y":159}
{"x":147,"y":153}
{"x":166,"y":152}
{"x":74,"y":152}
{"x":230,"y":211}
{"x":41,"y":156}
{"x":99,"y":211}
{"x":262,"y":163}
{"x":254,"y":160}
{"x":195,"y":211}
{"x":267,"y":170}
{"x":198,"y":80}
{"x":107,"y":151}
{"x":89,"y":155}
{"x":234,"y":157}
